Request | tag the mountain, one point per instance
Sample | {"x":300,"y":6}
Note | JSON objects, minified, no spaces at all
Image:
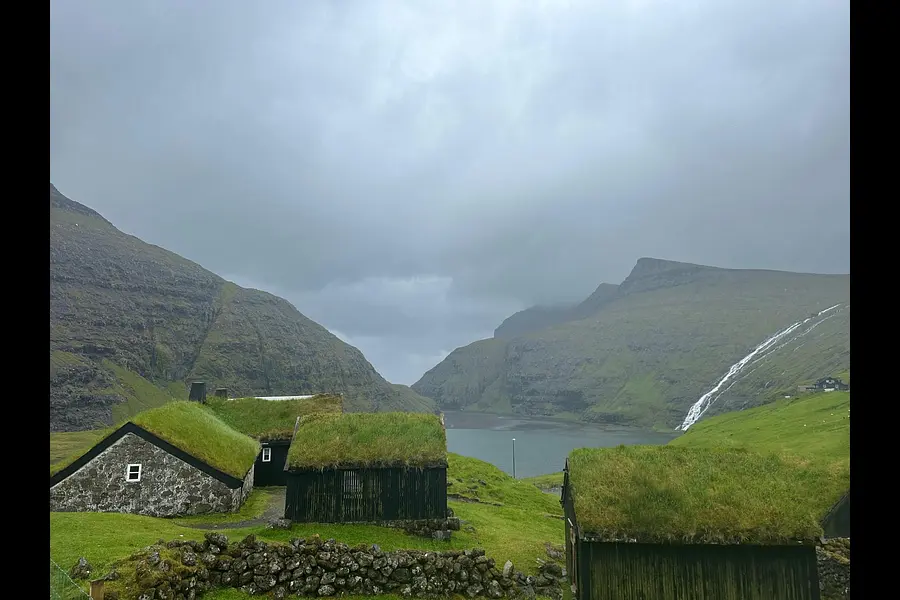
{"x":132,"y":323}
{"x":540,"y":317}
{"x":643,"y":352}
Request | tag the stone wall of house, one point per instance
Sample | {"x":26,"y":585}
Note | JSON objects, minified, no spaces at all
{"x":239,"y":495}
{"x":184,"y":570}
{"x":168,"y":486}
{"x":834,"y":568}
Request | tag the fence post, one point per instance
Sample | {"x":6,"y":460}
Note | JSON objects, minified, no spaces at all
{"x":97,"y":589}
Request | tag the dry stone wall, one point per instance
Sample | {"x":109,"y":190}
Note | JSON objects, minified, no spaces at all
{"x":168,"y":486}
{"x":834,"y":568}
{"x":184,"y":570}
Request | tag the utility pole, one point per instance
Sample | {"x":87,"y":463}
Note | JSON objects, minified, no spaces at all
{"x":514,"y":458}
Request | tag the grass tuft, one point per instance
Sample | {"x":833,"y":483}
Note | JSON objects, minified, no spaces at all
{"x":368,"y":439}
{"x":705,"y":495}
{"x":271,"y":419}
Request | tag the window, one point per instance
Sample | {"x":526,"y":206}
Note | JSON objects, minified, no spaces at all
{"x":133,"y":473}
{"x":267,"y":455}
{"x":352,"y":483}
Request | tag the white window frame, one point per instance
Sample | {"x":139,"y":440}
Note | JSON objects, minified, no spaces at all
{"x":128,"y":477}
{"x":266,"y":454}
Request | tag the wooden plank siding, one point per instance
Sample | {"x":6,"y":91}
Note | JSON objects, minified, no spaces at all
{"x":634,"y":571}
{"x":600,"y":570}
{"x":366,"y":495}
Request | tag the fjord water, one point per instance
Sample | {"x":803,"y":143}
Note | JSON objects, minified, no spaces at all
{"x":542,"y":444}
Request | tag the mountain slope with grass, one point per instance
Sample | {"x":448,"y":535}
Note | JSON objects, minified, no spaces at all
{"x":132,"y":323}
{"x":816,"y":427}
{"x":644,"y":351}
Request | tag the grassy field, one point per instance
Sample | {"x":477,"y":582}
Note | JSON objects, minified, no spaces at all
{"x":816,"y":427}
{"x":473,"y":479}
{"x":518,"y":530}
{"x":546,"y":482}
{"x":324,"y":439}
{"x":265,"y":419}
{"x":730,"y":495}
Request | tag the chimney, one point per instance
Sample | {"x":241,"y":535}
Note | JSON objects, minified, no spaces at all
{"x":221,"y":392}
{"x":198,"y":392}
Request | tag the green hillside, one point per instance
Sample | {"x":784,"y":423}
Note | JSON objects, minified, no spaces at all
{"x":132,"y":323}
{"x":654,"y":345}
{"x":815,"y":427}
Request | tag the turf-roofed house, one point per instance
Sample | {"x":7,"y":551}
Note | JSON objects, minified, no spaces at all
{"x":271,"y":421}
{"x":692,"y":523}
{"x":178,"y":459}
{"x":367,"y":468}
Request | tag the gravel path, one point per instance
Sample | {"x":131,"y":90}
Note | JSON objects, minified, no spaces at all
{"x":273,"y":511}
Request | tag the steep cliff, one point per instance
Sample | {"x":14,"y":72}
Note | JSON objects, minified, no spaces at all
{"x":132,"y":323}
{"x":644,"y":351}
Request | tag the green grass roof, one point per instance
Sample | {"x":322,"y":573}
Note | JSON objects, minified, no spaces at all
{"x":699,"y":495}
{"x":197,"y":431}
{"x":368,"y":439}
{"x":271,"y":419}
{"x":188,"y":426}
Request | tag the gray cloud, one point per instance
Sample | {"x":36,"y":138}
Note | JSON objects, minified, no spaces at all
{"x":408,"y":174}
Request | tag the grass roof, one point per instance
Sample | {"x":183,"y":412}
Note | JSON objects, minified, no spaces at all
{"x":271,"y":419}
{"x":188,"y":426}
{"x":368,"y":439}
{"x":699,"y":495}
{"x":197,"y":431}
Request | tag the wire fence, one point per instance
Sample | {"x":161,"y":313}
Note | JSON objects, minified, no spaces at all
{"x":62,"y":587}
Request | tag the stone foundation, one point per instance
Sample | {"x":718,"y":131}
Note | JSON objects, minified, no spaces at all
{"x":436,"y":529}
{"x":183,"y":570}
{"x":833,"y":558}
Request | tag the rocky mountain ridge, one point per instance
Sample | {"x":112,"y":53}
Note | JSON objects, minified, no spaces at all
{"x":132,"y":323}
{"x":642,"y":352}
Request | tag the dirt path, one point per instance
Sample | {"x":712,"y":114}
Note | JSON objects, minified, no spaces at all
{"x":274,"y":510}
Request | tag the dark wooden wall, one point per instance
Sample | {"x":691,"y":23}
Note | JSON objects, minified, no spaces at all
{"x":366,"y":495}
{"x":837,"y":523}
{"x":571,"y":538}
{"x":272,"y":472}
{"x":631,"y":571}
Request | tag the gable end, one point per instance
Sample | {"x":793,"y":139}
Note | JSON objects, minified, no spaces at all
{"x":228,"y":480}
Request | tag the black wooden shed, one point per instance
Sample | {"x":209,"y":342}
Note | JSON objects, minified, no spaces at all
{"x":367,"y":467}
{"x":634,"y":534}
{"x":271,"y":421}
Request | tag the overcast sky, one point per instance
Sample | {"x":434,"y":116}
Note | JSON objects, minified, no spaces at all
{"x":410,"y":173}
